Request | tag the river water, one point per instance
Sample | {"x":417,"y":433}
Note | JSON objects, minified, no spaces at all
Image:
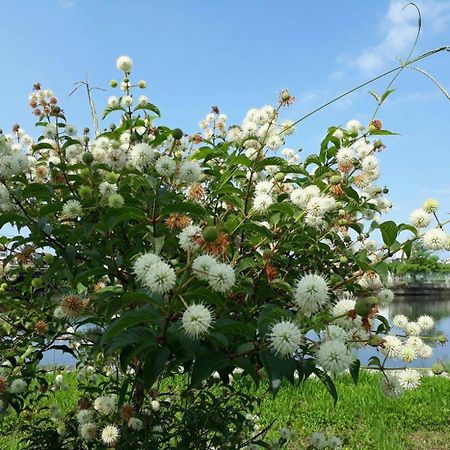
{"x":436,"y":306}
{"x":411,"y":306}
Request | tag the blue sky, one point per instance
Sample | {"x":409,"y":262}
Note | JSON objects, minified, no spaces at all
{"x":237,"y":55}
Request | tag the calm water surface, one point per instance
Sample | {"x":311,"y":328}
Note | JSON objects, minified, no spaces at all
{"x":413,"y":306}
{"x":437,"y":306}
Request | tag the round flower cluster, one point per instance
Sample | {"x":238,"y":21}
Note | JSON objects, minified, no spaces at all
{"x":154,"y":273}
{"x":434,"y":238}
{"x":311,"y":294}
{"x":220,"y":276}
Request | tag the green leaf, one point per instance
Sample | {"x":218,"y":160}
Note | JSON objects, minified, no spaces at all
{"x":389,"y":232}
{"x":185,"y":207}
{"x":283,"y":207}
{"x":129,"y":319}
{"x":386,"y":94}
{"x":328,"y":382}
{"x":147,"y":107}
{"x":374,"y":361}
{"x":383,"y":133}
{"x":154,"y":365}
{"x":109,"y":109}
{"x":382,"y":269}
{"x":207,"y":363}
{"x":354,"y":370}
{"x":277,"y":368}
{"x":42,"y":146}
{"x":270,"y":314}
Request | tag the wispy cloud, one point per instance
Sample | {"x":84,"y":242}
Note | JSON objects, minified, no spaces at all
{"x":65,"y":4}
{"x":399,"y":28}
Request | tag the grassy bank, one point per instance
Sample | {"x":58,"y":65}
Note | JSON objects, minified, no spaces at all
{"x":419,"y":420}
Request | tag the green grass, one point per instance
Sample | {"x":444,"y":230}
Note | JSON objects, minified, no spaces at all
{"x":420,"y":419}
{"x":363,"y":417}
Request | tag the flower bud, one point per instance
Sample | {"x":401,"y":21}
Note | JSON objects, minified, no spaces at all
{"x":375,"y":340}
{"x":177,"y":133}
{"x":87,"y":158}
{"x":363,"y":307}
{"x":335,"y":179}
{"x":437,"y":368}
{"x":210,"y":234}
{"x":113,"y":83}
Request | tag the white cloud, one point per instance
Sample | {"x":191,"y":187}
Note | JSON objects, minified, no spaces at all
{"x":399,"y":27}
{"x":66,"y":3}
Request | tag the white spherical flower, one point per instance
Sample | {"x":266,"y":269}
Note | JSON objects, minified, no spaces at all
{"x":274,"y":142}
{"x":339,"y":134}
{"x":408,"y":353}
{"x":300,"y":197}
{"x":135,"y":424}
{"x":84,"y":416}
{"x":126,"y":101}
{"x":141,"y":156}
{"x":400,"y":321}
{"x":391,"y":346}
{"x":334,"y":332}
{"x":190,"y":171}
{"x":285,"y":434}
{"x":311,"y":293}
{"x":430,"y":205}
{"x":105,"y":405}
{"x":59,"y":380}
{"x":370,"y":164}
{"x":188,"y":236}
{"x":435,"y":239}
{"x":155,"y":405}
{"x":221,"y":277}
{"x":334,"y":356}
{"x":72,"y":209}
{"x":124,"y":63}
{"x":18,"y":386}
{"x":143,"y":263}
{"x":334,"y":443}
{"x":196,"y":320}
{"x":160,"y":278}
{"x":425,"y":351}
{"x":420,"y":218}
{"x":262,"y":202}
{"x":284,"y":338}
{"x":425,"y":322}
{"x":88,"y":431}
{"x":409,"y":378}
{"x":105,"y":188}
{"x":318,"y":440}
{"x":314,"y":221}
{"x":345,"y":155}
{"x":58,"y":313}
{"x":110,"y":435}
{"x":385,"y":296}
{"x":341,"y":310}
{"x":287,"y":127}
{"x":353,"y":125}
{"x":263,"y":187}
{"x":390,"y":385}
{"x":165,"y":166}
{"x":413,"y":329}
{"x":71,"y":130}
{"x":113,"y":101}
{"x":201,"y":266}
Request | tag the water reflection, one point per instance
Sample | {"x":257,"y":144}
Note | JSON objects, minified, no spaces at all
{"x":437,"y":306}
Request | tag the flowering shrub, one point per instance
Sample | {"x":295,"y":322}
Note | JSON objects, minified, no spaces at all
{"x":168,"y":264}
